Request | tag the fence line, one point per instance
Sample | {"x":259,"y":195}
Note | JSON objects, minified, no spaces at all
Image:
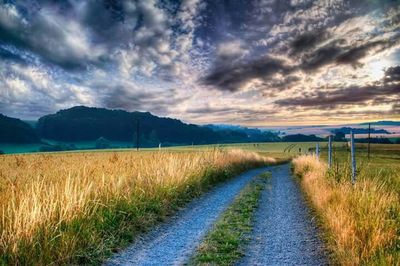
{"x":330,"y":157}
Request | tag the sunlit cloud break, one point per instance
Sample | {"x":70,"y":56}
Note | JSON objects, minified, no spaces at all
{"x":256,"y":63}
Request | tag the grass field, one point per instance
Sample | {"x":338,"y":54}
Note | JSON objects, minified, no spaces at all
{"x":362,"y":222}
{"x":79,"y":207}
{"x":271,"y":147}
{"x":10,"y":148}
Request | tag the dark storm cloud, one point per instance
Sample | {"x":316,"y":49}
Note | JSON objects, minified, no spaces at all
{"x":282,"y":83}
{"x":47,"y":35}
{"x":152,"y":55}
{"x":337,"y":53}
{"x":55,"y":53}
{"x":232,"y":78}
{"x":354,"y":54}
{"x":121,"y":96}
{"x":315,"y":45}
{"x":307,"y":41}
{"x":79,"y":34}
{"x":225,"y":76}
{"x":353,"y":95}
{"x":209,"y":109}
{"x":245,"y":114}
{"x":321,"y":57}
{"x":392,"y":74}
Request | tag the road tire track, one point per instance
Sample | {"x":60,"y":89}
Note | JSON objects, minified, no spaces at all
{"x":173,"y":243}
{"x":284,"y":232}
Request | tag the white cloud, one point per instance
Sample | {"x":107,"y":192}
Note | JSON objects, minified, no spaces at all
{"x":150,"y":56}
{"x":232,"y":49}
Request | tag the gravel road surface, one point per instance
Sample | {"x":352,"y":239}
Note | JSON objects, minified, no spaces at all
{"x":284,"y":232}
{"x":172,"y":243}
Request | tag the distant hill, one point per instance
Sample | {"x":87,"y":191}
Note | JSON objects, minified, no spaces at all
{"x":32,"y":123}
{"x":301,"y":138}
{"x":13,"y":130}
{"x":85,"y":123}
{"x":255,"y":134}
{"x":383,"y":123}
{"x":347,"y":130}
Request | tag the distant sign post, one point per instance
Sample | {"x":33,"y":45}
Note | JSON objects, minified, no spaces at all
{"x":353,"y":158}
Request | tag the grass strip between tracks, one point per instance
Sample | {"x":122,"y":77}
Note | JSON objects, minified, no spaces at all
{"x":225,"y":243}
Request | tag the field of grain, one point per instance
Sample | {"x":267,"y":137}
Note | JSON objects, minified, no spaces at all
{"x":278,"y":148}
{"x":68,"y":208}
{"x":362,"y":222}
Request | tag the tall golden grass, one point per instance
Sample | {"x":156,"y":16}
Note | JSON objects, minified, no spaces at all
{"x":56,"y":208}
{"x":362,"y":221}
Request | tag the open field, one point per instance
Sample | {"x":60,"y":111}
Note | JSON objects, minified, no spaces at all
{"x":383,"y":165}
{"x":362,"y":222}
{"x":68,"y":208}
{"x":10,"y":148}
{"x":79,"y":207}
{"x":271,"y":147}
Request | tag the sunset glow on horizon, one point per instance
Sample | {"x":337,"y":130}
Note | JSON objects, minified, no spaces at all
{"x":252,"y":63}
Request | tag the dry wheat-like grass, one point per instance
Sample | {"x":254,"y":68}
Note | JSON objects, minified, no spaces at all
{"x":359,"y":219}
{"x":39,"y":193}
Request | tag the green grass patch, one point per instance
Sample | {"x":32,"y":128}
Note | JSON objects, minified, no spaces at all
{"x":225,"y":243}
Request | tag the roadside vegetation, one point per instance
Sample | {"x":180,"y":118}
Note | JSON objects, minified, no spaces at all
{"x":225,"y":243}
{"x":78,"y":208}
{"x":362,"y":222}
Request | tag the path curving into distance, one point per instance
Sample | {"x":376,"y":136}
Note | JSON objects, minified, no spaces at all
{"x":174,"y":242}
{"x":284,"y":232}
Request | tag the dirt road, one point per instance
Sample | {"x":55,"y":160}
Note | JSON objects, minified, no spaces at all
{"x":174,"y":242}
{"x":285,"y":231}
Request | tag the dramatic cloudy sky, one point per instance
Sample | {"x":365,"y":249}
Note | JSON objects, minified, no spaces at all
{"x":256,"y":63}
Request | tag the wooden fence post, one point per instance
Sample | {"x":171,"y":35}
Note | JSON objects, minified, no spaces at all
{"x":317,"y":150}
{"x":353,"y":158}
{"x":330,"y":151}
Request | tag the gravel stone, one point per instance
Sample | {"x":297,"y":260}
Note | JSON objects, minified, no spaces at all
{"x":173,"y":242}
{"x":285,"y":232}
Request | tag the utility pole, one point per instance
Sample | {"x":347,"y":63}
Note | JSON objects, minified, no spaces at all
{"x":353,"y":159}
{"x":137,"y":134}
{"x":369,"y":139}
{"x":330,"y":151}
